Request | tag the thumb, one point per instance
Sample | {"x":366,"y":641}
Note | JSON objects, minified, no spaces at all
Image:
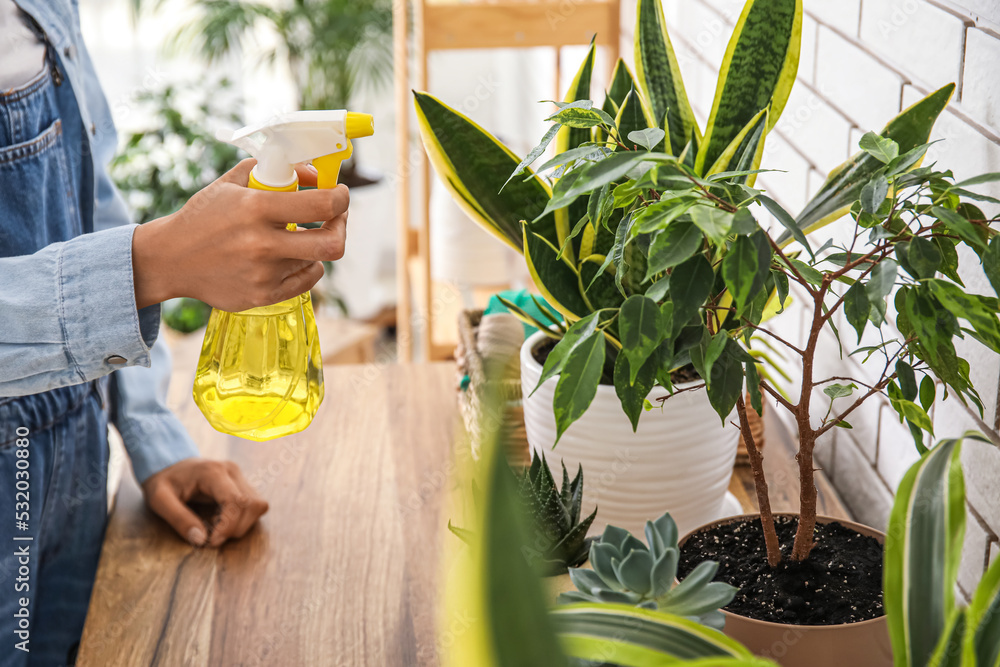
{"x":240,"y":174}
{"x":171,"y":509}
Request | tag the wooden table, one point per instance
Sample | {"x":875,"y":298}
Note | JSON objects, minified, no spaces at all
{"x":343,"y":569}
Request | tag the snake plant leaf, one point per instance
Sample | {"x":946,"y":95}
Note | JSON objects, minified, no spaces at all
{"x":633,"y":117}
{"x":982,"y":639}
{"x":910,"y":129}
{"x":572,"y":137}
{"x":922,"y":552}
{"x":949,"y":649}
{"x":745,"y":151}
{"x":757,"y":71}
{"x":555,"y":278}
{"x":579,"y":89}
{"x":491,"y":592}
{"x":639,"y":637}
{"x":622,"y":81}
{"x":659,"y":76}
{"x":578,"y":381}
{"x":471,"y":163}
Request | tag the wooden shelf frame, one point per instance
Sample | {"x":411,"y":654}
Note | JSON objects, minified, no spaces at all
{"x":449,"y":25}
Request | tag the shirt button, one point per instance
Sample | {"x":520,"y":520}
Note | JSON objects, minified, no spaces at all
{"x":69,"y":52}
{"x":93,"y":129}
{"x":116,"y":360}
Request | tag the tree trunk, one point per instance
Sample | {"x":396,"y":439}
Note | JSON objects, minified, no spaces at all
{"x":760,"y":485}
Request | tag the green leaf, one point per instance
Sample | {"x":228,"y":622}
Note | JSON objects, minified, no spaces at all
{"x":579,"y":90}
{"x":578,"y":381}
{"x":746,"y":267}
{"x":911,"y":128}
{"x":991,"y":264}
{"x":881,"y":281}
{"x":907,"y":380}
{"x":982,"y":640}
{"x":990,"y":177}
{"x":556,"y":360}
{"x":757,"y":72}
{"x":856,"y":308}
{"x":713,"y":221}
{"x":839,"y":390}
{"x":658,"y":290}
{"x":969,"y":307}
{"x":874,"y":193}
{"x":675,"y":244}
{"x":961,"y":227}
{"x":914,"y":413}
{"x":644,"y":638}
{"x":470,"y":162}
{"x":639,"y":325}
{"x":790,"y":225}
{"x":649,"y":138}
{"x":928,"y":392}
{"x":633,"y":388}
{"x":726,"y":385}
{"x":690,"y":285}
{"x":555,"y":278}
{"x":632,"y":118}
{"x":659,"y":75}
{"x":577,"y":118}
{"x":921,"y":258}
{"x":922,"y":552}
{"x":879,"y":147}
{"x":715,"y":349}
{"x":535,"y":153}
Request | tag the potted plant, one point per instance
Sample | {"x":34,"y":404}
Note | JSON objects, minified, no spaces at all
{"x":494,"y":613}
{"x":334,"y":48}
{"x":591,"y":240}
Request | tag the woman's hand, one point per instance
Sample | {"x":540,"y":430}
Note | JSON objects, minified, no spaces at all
{"x":221,"y":482}
{"x":228,"y":245}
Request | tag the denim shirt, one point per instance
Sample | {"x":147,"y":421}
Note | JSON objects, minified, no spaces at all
{"x":67,"y":312}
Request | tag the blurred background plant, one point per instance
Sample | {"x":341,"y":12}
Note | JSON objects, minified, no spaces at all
{"x":333,"y":48}
{"x":172,"y":156}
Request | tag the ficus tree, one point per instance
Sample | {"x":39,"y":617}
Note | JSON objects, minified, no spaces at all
{"x":644,"y":234}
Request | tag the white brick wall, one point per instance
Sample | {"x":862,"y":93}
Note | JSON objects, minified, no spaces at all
{"x":861,"y":63}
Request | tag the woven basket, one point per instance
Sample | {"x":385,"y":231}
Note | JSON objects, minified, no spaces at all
{"x":473,"y":386}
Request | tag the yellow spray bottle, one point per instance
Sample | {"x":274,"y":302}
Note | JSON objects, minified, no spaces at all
{"x":260,"y":375}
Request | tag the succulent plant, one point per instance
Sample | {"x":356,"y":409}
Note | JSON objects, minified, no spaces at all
{"x":560,"y":536}
{"x":626,"y":571}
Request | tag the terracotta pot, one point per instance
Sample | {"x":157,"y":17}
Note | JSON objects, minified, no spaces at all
{"x":679,"y":460}
{"x":862,"y":644}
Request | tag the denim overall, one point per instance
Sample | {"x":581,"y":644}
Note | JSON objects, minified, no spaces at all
{"x":53,"y":445}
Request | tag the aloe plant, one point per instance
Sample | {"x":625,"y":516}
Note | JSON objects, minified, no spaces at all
{"x":494,"y":612}
{"x":555,"y":514}
{"x":626,"y":571}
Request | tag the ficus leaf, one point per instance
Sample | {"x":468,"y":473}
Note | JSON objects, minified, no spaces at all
{"x":881,"y":148}
{"x":639,"y":325}
{"x":578,"y":381}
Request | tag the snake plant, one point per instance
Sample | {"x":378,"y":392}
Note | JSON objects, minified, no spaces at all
{"x":626,"y":571}
{"x":625,"y":231}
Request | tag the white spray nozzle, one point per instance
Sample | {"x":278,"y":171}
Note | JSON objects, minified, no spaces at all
{"x":300,"y":136}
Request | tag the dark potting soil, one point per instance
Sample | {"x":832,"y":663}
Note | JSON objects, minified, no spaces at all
{"x":680,"y":376}
{"x":840,"y":582}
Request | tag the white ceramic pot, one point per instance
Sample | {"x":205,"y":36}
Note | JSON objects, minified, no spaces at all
{"x":680,"y":459}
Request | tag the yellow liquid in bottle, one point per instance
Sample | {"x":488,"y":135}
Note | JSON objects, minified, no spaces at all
{"x":260,"y":375}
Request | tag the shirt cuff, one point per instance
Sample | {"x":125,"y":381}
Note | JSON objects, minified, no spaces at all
{"x":103,"y":329}
{"x":155,"y":442}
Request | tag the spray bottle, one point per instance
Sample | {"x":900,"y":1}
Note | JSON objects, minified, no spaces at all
{"x":260,"y":374}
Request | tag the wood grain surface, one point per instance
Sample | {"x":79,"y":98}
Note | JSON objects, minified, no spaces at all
{"x":343,"y":570}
